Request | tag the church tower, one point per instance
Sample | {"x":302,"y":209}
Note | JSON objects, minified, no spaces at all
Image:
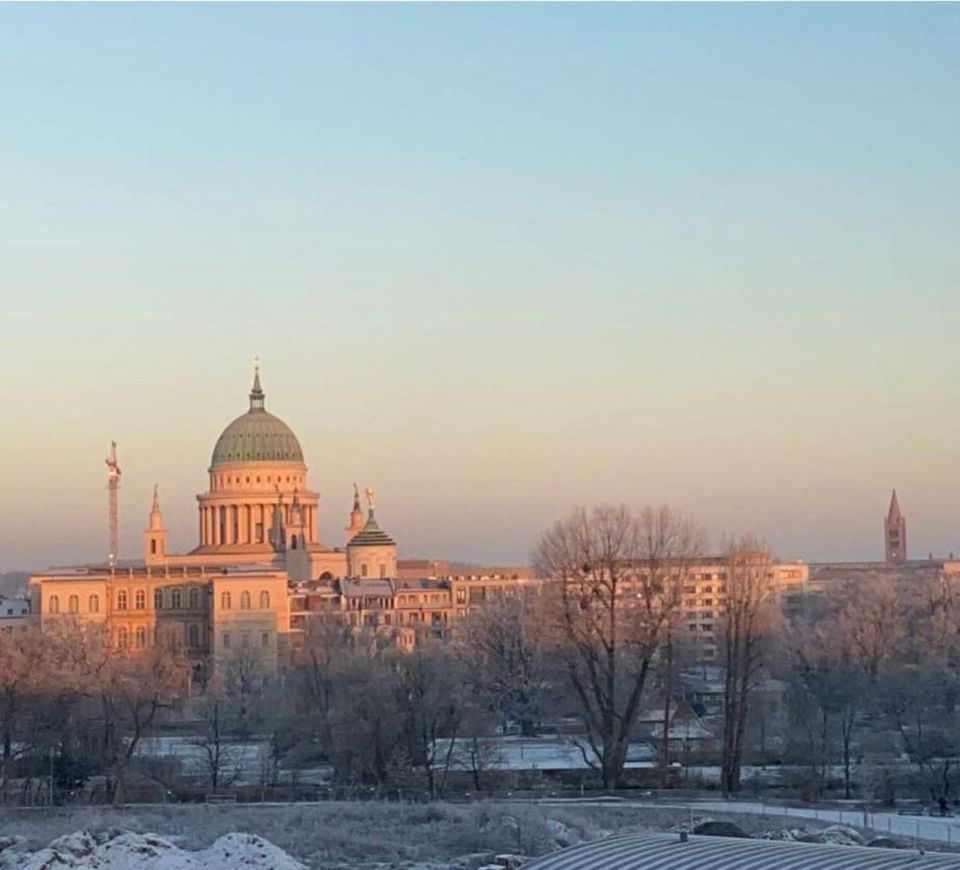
{"x":895,"y":533}
{"x":356,"y":517}
{"x":155,"y":535}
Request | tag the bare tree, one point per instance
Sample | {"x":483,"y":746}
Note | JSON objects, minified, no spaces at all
{"x":221,"y":751}
{"x":871,"y":618}
{"x":428,"y":691}
{"x":27,"y":670}
{"x":128,"y":689}
{"x":501,"y":645}
{"x":244,"y":678}
{"x":744,"y":624}
{"x":614,"y":578}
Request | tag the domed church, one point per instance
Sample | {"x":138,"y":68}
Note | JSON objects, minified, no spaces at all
{"x":259,"y":571}
{"x":259,"y":508}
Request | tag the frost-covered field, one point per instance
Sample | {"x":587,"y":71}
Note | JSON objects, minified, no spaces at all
{"x":329,"y":835}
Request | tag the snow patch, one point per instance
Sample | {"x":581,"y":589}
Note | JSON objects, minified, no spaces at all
{"x":125,"y":850}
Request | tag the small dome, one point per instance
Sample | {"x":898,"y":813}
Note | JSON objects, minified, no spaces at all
{"x":257,"y":436}
{"x":371,"y":536}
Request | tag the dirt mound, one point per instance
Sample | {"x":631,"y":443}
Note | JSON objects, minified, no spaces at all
{"x":721,"y":829}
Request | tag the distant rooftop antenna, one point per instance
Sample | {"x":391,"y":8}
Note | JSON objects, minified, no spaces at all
{"x":113,"y":486}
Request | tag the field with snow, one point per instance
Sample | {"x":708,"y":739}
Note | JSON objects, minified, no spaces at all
{"x":372,"y":836}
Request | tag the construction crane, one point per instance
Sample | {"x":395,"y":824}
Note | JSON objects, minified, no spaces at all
{"x":113,"y":485}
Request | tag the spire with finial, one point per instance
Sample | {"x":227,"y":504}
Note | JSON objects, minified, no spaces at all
{"x":156,"y":515}
{"x":257,"y":396}
{"x":355,"y":525}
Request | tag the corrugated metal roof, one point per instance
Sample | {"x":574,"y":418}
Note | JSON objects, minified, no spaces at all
{"x":667,"y":852}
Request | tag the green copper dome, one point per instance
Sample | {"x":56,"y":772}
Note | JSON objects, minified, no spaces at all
{"x":257,"y":436}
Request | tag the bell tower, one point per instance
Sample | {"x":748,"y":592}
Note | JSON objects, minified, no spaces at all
{"x":895,"y":533}
{"x":155,"y":535}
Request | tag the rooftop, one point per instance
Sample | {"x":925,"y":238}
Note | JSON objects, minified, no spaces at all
{"x":668,"y":852}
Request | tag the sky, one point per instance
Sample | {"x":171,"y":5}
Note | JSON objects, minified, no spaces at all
{"x":497,"y":261}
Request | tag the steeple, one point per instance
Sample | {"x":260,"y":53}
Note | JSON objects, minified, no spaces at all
{"x":257,"y":396}
{"x":355,"y":525}
{"x":155,"y":535}
{"x":895,"y":533}
{"x":156,"y":515}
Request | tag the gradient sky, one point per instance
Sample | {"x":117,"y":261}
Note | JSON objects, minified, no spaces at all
{"x":497,"y":261}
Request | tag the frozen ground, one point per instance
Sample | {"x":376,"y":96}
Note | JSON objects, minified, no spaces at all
{"x":337,"y":835}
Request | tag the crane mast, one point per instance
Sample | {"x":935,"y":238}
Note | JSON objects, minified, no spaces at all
{"x":113,"y":485}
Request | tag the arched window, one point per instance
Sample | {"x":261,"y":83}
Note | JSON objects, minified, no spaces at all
{"x":264,"y":600}
{"x":123,"y":637}
{"x":158,"y":599}
{"x":141,"y":636}
{"x":73,"y":604}
{"x":194,"y":597}
{"x":194,"y":635}
{"x":140,"y":600}
{"x":93,"y":604}
{"x":175,"y":598}
{"x":54,"y":604}
{"x":293,"y":542}
{"x":122,"y":599}
{"x":244,"y":600}
{"x":225,"y":601}
{"x":153,"y":546}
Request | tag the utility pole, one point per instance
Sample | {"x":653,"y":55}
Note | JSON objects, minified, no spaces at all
{"x":113,"y":485}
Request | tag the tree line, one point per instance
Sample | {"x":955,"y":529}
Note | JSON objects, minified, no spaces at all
{"x":868,"y":670}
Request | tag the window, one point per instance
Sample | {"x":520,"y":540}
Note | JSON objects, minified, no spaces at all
{"x":176,"y":601}
{"x":264,"y":600}
{"x":226,"y":640}
{"x":194,"y":635}
{"x":73,"y":604}
{"x":265,"y":639}
{"x":244,"y":639}
{"x":363,"y":570}
{"x":140,"y":600}
{"x":54,"y":604}
{"x":93,"y":604}
{"x":158,"y":599}
{"x":194,"y":596}
{"x":383,"y":570}
{"x":123,"y":640}
{"x":225,"y":602}
{"x":244,"y":600}
{"x":141,"y":637}
{"x":122,"y":599}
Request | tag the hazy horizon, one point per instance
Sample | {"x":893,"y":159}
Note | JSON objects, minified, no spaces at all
{"x":497,"y":261}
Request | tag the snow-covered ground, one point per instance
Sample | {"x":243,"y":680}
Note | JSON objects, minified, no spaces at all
{"x":125,"y":850}
{"x":246,"y":763}
{"x":533,"y":753}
